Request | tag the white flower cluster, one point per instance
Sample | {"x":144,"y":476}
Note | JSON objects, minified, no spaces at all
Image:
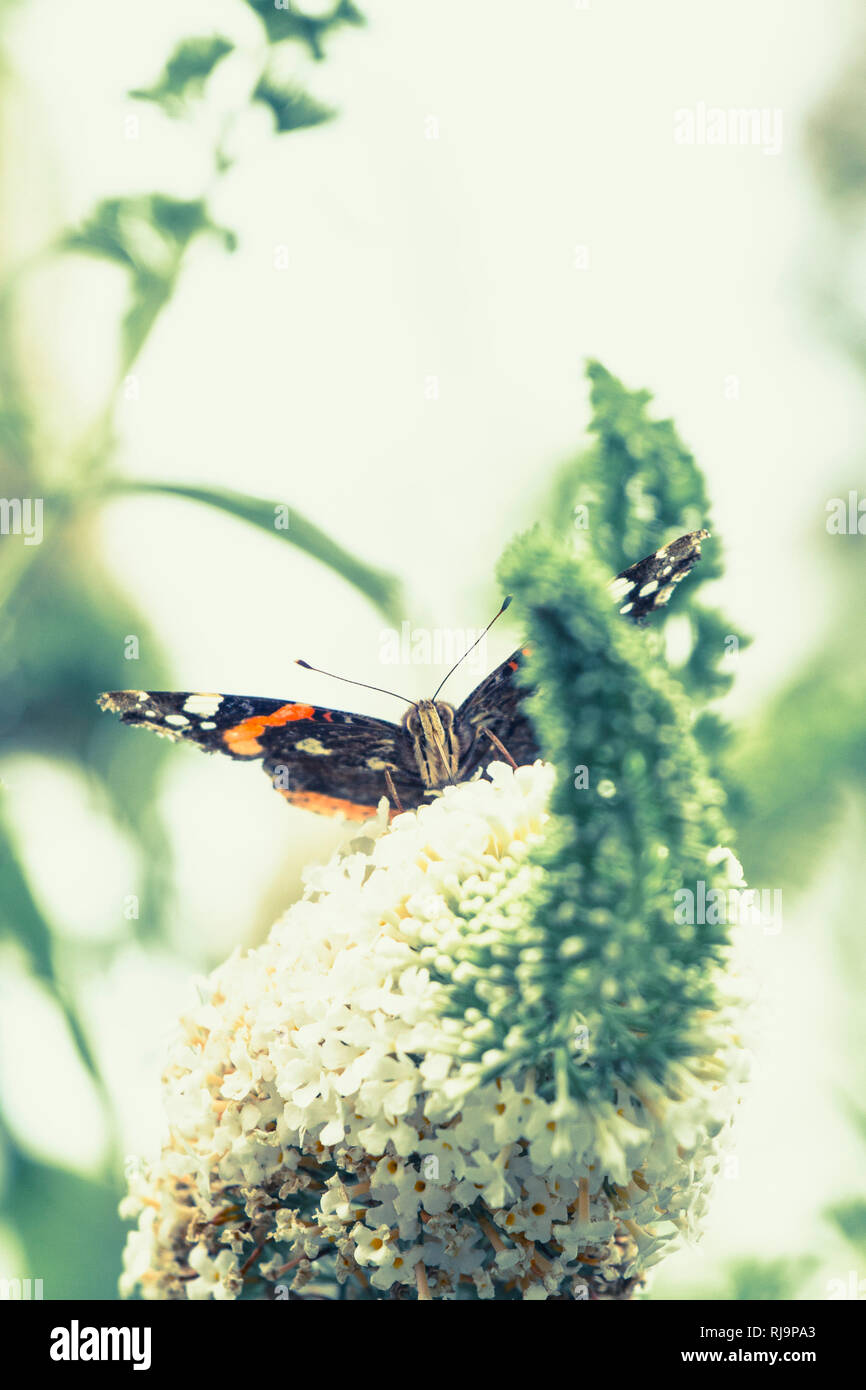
{"x":325,"y":1127}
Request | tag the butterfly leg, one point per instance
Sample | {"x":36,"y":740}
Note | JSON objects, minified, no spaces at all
{"x":392,"y":790}
{"x":497,"y":743}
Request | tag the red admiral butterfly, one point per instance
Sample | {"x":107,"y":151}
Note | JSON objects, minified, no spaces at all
{"x":329,"y":761}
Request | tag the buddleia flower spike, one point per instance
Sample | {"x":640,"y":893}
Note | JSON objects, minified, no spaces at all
{"x":480,"y":1059}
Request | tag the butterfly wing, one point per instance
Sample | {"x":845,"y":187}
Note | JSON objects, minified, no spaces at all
{"x":496,"y":703}
{"x":649,"y":583}
{"x":322,"y":759}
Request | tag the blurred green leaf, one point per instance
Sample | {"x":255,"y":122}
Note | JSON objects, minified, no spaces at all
{"x":20,"y":918}
{"x":798,"y":754}
{"x":145,"y":233}
{"x":857,"y":1116}
{"x":69,"y":1227}
{"x":16,"y":432}
{"x":148,"y":236}
{"x":751,"y":1278}
{"x":285,"y":19}
{"x":63,"y":638}
{"x":779,"y":1279}
{"x":292,"y":108}
{"x":836,"y":136}
{"x":185,"y":74}
{"x":381,"y":588}
{"x":850,"y":1218}
{"x":22,"y":922}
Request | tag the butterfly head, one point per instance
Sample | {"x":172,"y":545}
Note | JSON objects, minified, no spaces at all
{"x":430,"y":725}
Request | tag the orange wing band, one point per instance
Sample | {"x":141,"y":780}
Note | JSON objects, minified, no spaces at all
{"x":243,"y":739}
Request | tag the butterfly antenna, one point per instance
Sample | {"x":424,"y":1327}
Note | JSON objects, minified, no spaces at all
{"x":505,"y":603}
{"x":307,"y":667}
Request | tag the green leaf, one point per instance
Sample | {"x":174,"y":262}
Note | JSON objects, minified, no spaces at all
{"x":69,"y":1228}
{"x":293,"y":109}
{"x":22,"y":922}
{"x":284,"y":19}
{"x":185,"y":74}
{"x":145,"y":233}
{"x":800,"y":761}
{"x":16,"y":445}
{"x":749,"y":1277}
{"x":179,"y":220}
{"x":835,"y":140}
{"x":778,"y":1280}
{"x":857,"y":1116}
{"x":62,"y":640}
{"x":795,"y":759}
{"x":20,"y":919}
{"x":148,"y":236}
{"x":850,"y":1218}
{"x":383,"y":589}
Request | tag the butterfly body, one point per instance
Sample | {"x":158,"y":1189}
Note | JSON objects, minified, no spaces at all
{"x":332,"y":761}
{"x":431,"y":726}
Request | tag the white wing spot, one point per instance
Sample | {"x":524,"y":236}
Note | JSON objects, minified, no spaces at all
{"x":179,"y":719}
{"x":620,"y":587}
{"x":626,"y":608}
{"x":202,"y":704}
{"x":648,"y":589}
{"x":207,"y":724}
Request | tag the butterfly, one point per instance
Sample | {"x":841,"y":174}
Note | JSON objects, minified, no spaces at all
{"x":332,"y":762}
